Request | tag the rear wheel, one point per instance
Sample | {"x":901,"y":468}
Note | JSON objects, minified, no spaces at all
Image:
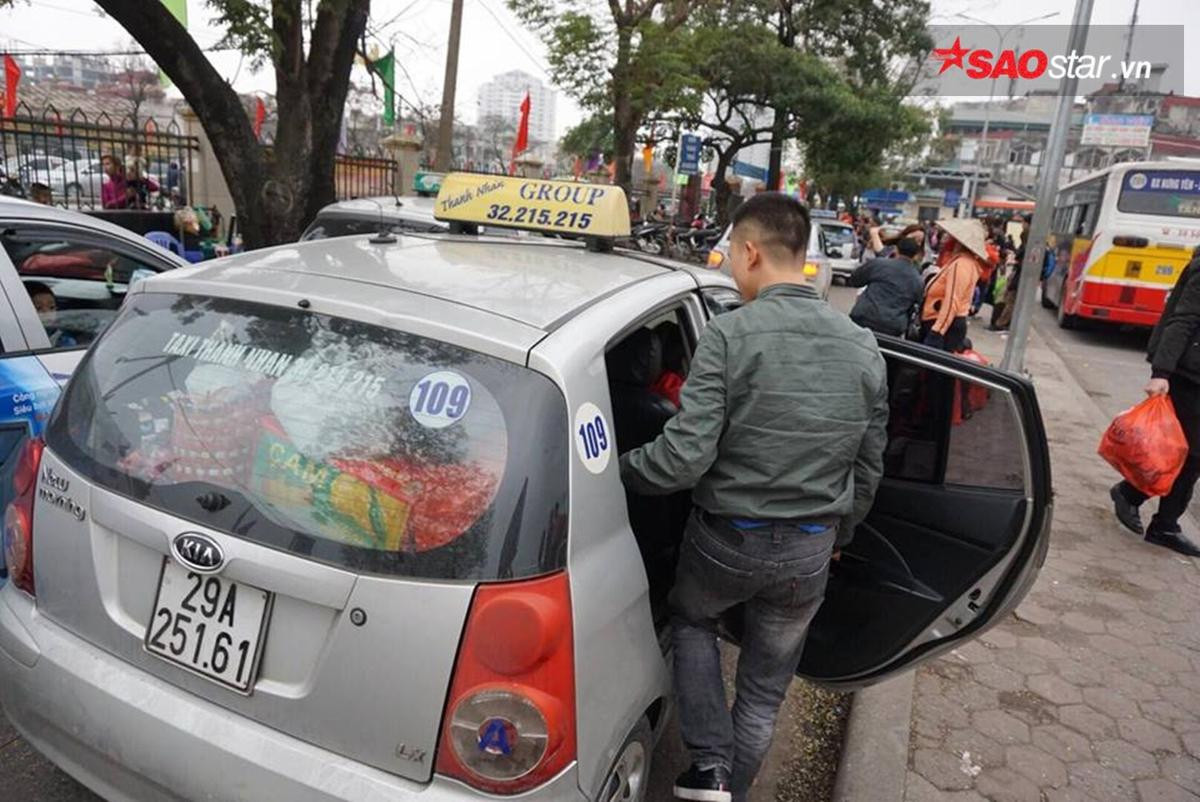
{"x":1064,"y":320}
{"x":629,"y":777}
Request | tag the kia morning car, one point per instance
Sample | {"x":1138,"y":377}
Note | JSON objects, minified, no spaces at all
{"x":343,"y":519}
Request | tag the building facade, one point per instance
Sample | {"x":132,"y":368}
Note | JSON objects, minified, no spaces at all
{"x":500,"y":99}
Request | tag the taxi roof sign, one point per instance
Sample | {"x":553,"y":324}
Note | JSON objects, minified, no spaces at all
{"x":595,"y":211}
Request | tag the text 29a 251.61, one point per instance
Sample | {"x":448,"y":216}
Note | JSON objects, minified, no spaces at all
{"x":529,"y":215}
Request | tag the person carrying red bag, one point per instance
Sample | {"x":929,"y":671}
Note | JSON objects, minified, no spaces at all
{"x":1174,"y":356}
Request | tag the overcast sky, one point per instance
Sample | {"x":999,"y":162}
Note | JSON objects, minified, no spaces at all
{"x":493,"y":41}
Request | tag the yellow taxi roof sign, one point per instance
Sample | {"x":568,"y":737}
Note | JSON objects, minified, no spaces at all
{"x":560,"y":207}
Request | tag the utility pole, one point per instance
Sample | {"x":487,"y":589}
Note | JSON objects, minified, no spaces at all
{"x":1039,"y":229}
{"x":445,"y":146}
{"x":1129,"y":42}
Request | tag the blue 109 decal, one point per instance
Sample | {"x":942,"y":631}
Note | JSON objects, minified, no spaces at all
{"x":593,"y":437}
{"x":440,"y":399}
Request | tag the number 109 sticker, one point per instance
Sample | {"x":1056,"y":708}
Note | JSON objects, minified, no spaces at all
{"x":440,"y":399}
{"x":593,"y":438}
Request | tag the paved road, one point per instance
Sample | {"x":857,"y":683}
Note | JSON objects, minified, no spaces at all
{"x":1091,"y":691}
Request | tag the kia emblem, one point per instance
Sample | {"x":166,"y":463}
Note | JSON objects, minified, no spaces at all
{"x":198,"y":552}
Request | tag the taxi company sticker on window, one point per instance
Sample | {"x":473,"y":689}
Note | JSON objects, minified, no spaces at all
{"x":593,"y":438}
{"x":440,"y":399}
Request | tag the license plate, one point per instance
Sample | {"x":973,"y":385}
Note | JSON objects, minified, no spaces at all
{"x":210,"y":625}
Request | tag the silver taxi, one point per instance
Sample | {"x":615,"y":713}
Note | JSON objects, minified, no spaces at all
{"x":343,"y":520}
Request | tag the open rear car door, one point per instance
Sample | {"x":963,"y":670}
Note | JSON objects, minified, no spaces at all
{"x":959,"y":528}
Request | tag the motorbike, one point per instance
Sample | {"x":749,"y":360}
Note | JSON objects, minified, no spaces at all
{"x":694,"y":244}
{"x":650,"y":237}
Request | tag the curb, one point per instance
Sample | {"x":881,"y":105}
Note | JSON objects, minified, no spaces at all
{"x":874,"y":763}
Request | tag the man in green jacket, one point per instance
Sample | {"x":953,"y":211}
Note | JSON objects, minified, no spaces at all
{"x":781,"y":430}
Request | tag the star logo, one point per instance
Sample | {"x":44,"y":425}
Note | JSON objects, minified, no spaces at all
{"x":951,"y":56}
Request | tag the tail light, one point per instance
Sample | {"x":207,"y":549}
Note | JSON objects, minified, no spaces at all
{"x":715,"y":259}
{"x":811,"y":269}
{"x":18,"y":517}
{"x":510,"y":718}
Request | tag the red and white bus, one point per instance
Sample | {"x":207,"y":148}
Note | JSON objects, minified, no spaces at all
{"x":1120,"y":238}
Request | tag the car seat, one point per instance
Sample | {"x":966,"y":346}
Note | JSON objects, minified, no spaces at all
{"x":639,"y":413}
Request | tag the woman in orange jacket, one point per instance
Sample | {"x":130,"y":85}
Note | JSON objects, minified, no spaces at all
{"x":948,"y":298}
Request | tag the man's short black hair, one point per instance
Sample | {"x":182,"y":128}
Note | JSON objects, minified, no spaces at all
{"x":908,"y":247}
{"x":780,"y":222}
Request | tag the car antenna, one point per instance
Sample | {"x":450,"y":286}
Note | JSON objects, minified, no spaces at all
{"x":384,"y":235}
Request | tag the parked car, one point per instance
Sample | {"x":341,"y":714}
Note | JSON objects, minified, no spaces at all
{"x":818,"y":265}
{"x":77,"y":183}
{"x":63,"y":276}
{"x":343,"y":519}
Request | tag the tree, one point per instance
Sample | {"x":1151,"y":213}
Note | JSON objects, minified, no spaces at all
{"x":635,"y":44}
{"x":136,"y":84}
{"x":277,"y":191}
{"x":592,"y":137}
{"x":496,"y":137}
{"x":752,"y":85}
{"x":866,"y":39}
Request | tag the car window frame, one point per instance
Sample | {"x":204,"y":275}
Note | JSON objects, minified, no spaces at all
{"x":34,"y":333}
{"x":12,"y":335}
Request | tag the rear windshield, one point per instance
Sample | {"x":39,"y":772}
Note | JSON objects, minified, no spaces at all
{"x":364,"y":447}
{"x":1170,"y":193}
{"x":326,"y":226}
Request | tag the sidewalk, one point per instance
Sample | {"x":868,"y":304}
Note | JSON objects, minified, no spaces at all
{"x":1091,"y":691}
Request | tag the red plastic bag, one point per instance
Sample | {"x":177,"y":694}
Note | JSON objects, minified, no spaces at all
{"x":969,"y":397}
{"x":1146,"y":445}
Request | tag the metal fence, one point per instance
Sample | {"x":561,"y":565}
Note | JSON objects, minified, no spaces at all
{"x":363,"y":176}
{"x":65,"y":155}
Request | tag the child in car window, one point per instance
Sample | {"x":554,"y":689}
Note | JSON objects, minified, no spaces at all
{"x":47,"y":308}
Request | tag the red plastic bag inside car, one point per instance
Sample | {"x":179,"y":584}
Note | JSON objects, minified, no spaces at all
{"x":1146,"y":445}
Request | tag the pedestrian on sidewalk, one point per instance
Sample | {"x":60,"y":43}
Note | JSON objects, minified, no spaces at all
{"x":1174,"y":356}
{"x":948,"y":297}
{"x":892,"y":288}
{"x":784,"y":450}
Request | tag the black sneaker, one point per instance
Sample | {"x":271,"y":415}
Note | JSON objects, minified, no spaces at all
{"x":709,"y":785}
{"x":1127,"y":512}
{"x":1175,"y":541}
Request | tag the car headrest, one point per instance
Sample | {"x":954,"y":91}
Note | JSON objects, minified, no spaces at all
{"x":637,"y":360}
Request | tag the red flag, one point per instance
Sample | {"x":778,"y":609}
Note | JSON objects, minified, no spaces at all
{"x":260,"y":114}
{"x":12,"y":77}
{"x":578,"y":167}
{"x":522,"y":143}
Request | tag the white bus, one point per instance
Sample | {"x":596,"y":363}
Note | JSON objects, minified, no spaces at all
{"x":1120,"y":238}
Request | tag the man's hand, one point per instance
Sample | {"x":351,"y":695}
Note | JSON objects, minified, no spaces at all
{"x":1157,"y":387}
{"x":837,"y":555}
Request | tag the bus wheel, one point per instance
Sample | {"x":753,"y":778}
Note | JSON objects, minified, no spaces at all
{"x":1065,"y":321}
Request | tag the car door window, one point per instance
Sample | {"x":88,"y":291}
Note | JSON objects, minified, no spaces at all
{"x":646,"y":369}
{"x":75,"y":284}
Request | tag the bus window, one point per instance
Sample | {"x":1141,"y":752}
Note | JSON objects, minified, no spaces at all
{"x":1171,"y":193}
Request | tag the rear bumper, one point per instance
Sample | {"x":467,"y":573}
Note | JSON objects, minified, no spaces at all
{"x":1121,"y":303}
{"x":1118,"y":314}
{"x":128,"y":735}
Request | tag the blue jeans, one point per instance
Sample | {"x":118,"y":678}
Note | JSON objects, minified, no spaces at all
{"x":778,"y":572}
